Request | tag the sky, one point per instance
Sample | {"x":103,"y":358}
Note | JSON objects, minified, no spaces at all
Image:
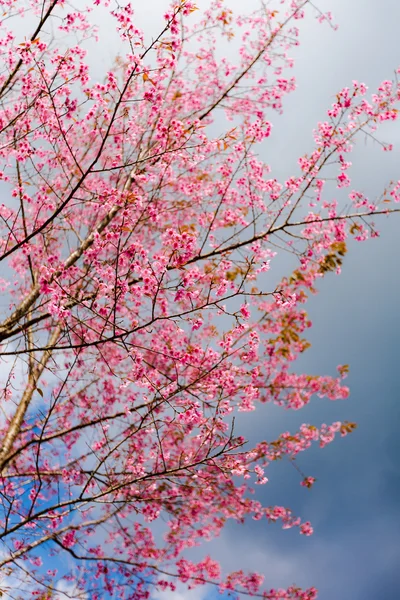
{"x":355,"y":504}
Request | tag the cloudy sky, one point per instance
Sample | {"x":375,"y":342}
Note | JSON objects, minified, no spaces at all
{"x":355,"y":504}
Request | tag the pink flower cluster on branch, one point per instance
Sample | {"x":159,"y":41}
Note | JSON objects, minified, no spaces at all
{"x":140,"y":229}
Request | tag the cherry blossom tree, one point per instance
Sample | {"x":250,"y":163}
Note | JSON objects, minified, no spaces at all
{"x":139,"y":318}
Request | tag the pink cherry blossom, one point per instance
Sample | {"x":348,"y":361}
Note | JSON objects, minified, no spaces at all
{"x":143,"y":313}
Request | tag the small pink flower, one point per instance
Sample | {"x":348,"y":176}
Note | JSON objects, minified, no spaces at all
{"x":308,"y":482}
{"x":306,"y":529}
{"x":244,"y":309}
{"x":69,"y":539}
